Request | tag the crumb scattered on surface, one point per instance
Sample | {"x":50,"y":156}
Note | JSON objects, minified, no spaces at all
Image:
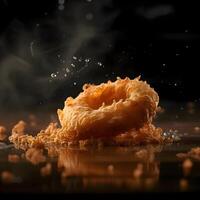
{"x":35,"y":156}
{"x":13,"y":158}
{"x":7,"y":177}
{"x":46,"y":170}
{"x":2,"y":133}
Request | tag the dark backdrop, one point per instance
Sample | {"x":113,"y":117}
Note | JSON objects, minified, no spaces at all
{"x":49,"y":48}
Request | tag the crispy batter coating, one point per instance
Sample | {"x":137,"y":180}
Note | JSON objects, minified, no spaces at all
{"x":121,"y":111}
{"x":108,"y":109}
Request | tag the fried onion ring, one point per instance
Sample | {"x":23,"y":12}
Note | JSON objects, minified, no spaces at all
{"x":117,"y":112}
{"x":108,"y":109}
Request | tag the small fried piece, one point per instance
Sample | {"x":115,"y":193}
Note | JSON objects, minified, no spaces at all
{"x":7,"y":177}
{"x":2,"y":133}
{"x":13,"y":158}
{"x":46,"y":170}
{"x":35,"y":156}
{"x":19,"y":128}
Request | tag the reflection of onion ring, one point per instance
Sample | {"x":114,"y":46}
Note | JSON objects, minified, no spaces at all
{"x":108,"y":109}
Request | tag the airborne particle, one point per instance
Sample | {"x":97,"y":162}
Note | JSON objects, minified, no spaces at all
{"x":99,"y":63}
{"x":53,"y":75}
{"x":74,"y":57}
{"x":87,"y":60}
{"x":67,"y":70}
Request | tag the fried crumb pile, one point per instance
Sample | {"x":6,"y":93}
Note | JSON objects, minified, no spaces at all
{"x":118,"y":113}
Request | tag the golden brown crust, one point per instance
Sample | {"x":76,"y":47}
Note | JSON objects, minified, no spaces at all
{"x":108,"y":109}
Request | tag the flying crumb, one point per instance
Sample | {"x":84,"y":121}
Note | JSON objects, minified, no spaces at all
{"x":183,"y":184}
{"x":2,"y":133}
{"x":46,"y":170}
{"x":35,"y":156}
{"x":7,"y":177}
{"x":13,"y":158}
{"x":19,"y":128}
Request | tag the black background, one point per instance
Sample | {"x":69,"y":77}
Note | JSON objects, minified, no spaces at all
{"x":156,"y":39}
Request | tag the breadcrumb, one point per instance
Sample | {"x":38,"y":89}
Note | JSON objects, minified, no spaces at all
{"x":7,"y":177}
{"x":35,"y":156}
{"x":13,"y":158}
{"x":19,"y":128}
{"x":2,"y":133}
{"x":46,"y":170}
